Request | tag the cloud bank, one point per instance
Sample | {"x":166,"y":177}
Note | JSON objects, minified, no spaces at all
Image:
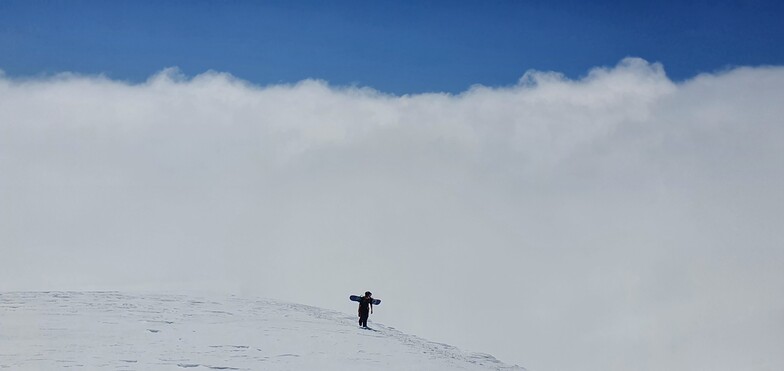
{"x":619,"y":221}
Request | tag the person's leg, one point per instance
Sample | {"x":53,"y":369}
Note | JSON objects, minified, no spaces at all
{"x":363,"y":317}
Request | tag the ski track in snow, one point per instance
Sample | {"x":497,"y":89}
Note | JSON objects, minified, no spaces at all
{"x":118,"y":331}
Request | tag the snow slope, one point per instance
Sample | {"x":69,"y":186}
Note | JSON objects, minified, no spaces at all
{"x":117,"y":331}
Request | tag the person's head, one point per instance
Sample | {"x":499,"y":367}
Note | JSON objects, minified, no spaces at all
{"x":368,"y":294}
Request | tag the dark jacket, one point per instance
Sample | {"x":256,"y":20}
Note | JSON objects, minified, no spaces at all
{"x":365,"y":304}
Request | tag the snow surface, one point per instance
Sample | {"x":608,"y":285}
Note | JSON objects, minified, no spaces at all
{"x":119,"y":331}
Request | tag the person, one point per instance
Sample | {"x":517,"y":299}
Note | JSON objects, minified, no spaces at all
{"x":365,"y":308}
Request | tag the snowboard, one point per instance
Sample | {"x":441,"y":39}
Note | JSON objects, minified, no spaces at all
{"x":358,"y":298}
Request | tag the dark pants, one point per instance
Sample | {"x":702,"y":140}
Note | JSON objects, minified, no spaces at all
{"x":363,"y":316}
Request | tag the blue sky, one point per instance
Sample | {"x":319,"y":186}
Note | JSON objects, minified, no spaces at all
{"x":398,"y":47}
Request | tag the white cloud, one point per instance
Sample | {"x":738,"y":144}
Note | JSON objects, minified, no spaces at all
{"x":620,"y":221}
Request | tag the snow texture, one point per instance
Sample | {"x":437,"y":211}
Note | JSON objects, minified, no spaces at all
{"x":119,"y":331}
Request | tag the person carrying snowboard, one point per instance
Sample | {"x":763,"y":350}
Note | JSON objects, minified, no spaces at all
{"x":365,"y":308}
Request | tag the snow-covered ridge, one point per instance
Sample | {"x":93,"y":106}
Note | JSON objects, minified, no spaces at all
{"x":118,"y":331}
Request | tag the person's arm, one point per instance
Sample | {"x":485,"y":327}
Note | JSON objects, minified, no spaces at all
{"x":371,"y":306}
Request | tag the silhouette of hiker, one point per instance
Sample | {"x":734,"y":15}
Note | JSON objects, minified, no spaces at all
{"x":365,"y":308}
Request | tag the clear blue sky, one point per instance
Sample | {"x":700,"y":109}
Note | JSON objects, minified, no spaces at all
{"x":394,"y":46}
